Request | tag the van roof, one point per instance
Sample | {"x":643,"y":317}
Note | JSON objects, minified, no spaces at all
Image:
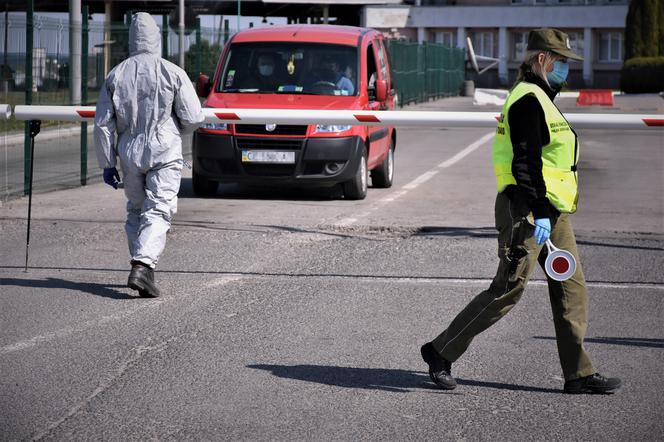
{"x":345,"y":35}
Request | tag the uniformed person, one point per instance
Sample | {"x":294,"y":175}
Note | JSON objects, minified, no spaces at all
{"x":535,"y":157}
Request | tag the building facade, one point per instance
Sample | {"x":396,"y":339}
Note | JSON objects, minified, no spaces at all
{"x":499,"y":29}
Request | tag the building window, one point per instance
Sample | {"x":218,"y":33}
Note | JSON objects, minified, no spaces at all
{"x":576,"y":42}
{"x":610,"y":47}
{"x":520,"y":40}
{"x":446,"y":38}
{"x":483,"y":44}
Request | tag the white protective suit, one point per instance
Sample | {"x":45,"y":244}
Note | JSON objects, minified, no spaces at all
{"x":147,"y":103}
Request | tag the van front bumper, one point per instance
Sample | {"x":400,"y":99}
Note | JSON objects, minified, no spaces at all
{"x":318,"y":161}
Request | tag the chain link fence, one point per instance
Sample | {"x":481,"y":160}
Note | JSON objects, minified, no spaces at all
{"x":64,"y":158}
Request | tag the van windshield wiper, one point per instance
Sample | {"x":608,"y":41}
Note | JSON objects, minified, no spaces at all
{"x":247,"y":91}
{"x":297,"y":93}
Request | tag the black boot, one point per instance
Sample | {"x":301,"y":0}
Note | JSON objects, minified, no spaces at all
{"x":593,"y":384}
{"x":440,"y":369}
{"x":141,"y":278}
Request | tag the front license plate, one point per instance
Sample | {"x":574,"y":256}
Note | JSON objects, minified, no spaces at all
{"x":268,"y":156}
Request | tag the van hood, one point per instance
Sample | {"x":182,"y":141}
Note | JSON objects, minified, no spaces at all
{"x":282,"y":101}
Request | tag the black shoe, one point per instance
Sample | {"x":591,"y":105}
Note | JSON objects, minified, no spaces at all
{"x":141,"y":278}
{"x":440,"y":369}
{"x":593,"y":384}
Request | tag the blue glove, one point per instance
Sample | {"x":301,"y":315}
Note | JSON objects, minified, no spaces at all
{"x":542,"y":230}
{"x":112,"y":177}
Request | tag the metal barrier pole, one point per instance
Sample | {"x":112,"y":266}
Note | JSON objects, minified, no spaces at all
{"x":199,"y":56}
{"x":181,"y":34}
{"x":357,"y":117}
{"x":33,"y":127}
{"x":227,"y":31}
{"x":84,"y":96}
{"x":164,"y":36}
{"x":29,"y":36}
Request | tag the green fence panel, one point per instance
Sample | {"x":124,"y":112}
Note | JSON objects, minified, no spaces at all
{"x":425,"y":71}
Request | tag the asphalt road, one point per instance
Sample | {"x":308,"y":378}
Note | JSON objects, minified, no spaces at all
{"x":295,"y":315}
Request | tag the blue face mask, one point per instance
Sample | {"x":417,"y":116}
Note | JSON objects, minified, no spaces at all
{"x":559,"y":74}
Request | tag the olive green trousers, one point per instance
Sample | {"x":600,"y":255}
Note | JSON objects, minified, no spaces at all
{"x":518,"y":255}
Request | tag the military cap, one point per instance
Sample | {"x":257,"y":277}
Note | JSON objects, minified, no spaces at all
{"x":548,"y":39}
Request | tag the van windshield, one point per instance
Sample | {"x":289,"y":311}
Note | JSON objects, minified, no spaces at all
{"x":290,"y":68}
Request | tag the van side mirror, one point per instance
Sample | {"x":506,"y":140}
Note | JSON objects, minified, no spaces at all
{"x":381,"y":90}
{"x":203,"y":86}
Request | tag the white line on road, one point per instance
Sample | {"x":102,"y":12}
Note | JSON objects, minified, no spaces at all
{"x":453,"y":280}
{"x":423,"y":178}
{"x":135,"y":355}
{"x":67,"y":331}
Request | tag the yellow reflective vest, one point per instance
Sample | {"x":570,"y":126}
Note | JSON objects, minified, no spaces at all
{"x":559,"y":157}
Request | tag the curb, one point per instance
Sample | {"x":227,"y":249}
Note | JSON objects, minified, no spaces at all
{"x":16,"y":139}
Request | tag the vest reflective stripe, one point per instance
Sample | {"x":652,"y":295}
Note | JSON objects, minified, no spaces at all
{"x":559,"y":157}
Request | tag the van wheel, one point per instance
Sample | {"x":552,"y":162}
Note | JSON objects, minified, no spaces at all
{"x":356,"y":189}
{"x":203,"y":186}
{"x":383,"y":175}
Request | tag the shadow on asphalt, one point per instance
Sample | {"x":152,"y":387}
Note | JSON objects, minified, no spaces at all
{"x":617,"y":246}
{"x":242,"y":192}
{"x":630,"y":342}
{"x":391,"y":380}
{"x":490,"y":232}
{"x":473,"y":232}
{"x":501,"y":386}
{"x":654,"y":284}
{"x":103,"y":290}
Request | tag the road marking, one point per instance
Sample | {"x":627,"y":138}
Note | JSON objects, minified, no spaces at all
{"x":426,"y":176}
{"x":414,"y":184}
{"x":455,"y":280}
{"x":68,"y":331}
{"x":468,"y":150}
{"x":134,"y":357}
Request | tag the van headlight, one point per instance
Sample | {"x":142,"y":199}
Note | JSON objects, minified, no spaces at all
{"x":325,"y":128}
{"x":215,"y":126}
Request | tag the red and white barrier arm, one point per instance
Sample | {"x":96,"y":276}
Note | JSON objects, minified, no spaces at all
{"x":5,"y":111}
{"x":349,"y":117}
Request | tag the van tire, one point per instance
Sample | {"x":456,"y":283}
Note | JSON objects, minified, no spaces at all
{"x":383,"y":175}
{"x":356,"y":189}
{"x":203,"y":186}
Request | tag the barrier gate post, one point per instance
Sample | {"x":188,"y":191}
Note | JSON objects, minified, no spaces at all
{"x":34,"y":126}
{"x":84,"y":96}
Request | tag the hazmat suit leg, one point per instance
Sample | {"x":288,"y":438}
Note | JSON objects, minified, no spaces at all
{"x":151,"y":204}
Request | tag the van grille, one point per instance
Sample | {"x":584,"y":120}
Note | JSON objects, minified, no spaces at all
{"x":281,"y":129}
{"x":267,"y":143}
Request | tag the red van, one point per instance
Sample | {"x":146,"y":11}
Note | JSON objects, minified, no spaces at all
{"x":298,"y":67}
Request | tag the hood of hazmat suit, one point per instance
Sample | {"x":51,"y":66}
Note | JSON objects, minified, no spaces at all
{"x":145,"y":105}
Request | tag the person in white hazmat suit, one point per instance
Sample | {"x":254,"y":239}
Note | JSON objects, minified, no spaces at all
{"x":144,"y":107}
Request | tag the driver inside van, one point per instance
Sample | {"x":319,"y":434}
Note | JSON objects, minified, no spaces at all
{"x":263,"y":78}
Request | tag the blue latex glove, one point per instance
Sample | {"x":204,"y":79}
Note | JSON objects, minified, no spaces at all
{"x":542,"y":230}
{"x":112,"y":177}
